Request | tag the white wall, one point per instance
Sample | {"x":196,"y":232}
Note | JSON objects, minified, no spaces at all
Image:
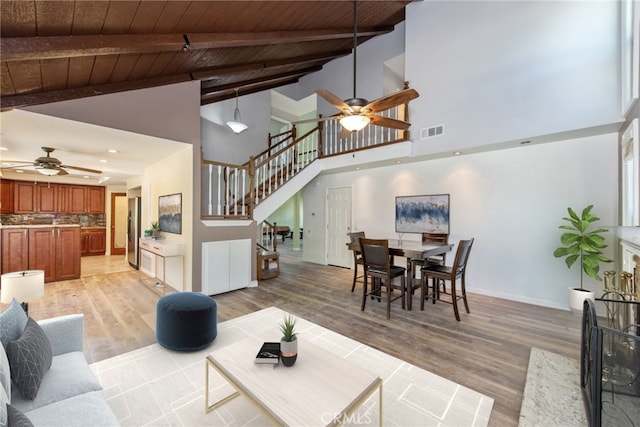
{"x":493,"y":71}
{"x":511,"y":201}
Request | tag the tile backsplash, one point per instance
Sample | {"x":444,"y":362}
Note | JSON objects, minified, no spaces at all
{"x":89,"y":220}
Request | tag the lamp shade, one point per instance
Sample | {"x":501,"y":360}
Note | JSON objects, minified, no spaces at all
{"x":237,"y":127}
{"x":24,"y":286}
{"x":48,"y":171}
{"x":354,"y":123}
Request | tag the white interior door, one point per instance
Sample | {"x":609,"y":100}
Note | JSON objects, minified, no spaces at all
{"x":338,"y":225}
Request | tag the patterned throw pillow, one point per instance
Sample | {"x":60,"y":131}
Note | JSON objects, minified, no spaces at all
{"x":12,"y":323}
{"x":17,"y":418}
{"x":29,"y":358}
{"x":5,"y":374}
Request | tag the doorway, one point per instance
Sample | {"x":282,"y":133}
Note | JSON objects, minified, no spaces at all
{"x":338,"y":225}
{"x":118,"y":236}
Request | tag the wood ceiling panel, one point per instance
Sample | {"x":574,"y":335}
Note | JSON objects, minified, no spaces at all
{"x":161,"y":62}
{"x":123,"y":67}
{"x":146,"y":17}
{"x":88,"y":17}
{"x":142,"y":66}
{"x":54,"y":73}
{"x":26,"y":76}
{"x":18,"y":19}
{"x":54,"y":18}
{"x":6,"y":83}
{"x":170,"y":16}
{"x":102,"y":69}
{"x":80,"y":69}
{"x":115,"y":45}
{"x":119,"y":17}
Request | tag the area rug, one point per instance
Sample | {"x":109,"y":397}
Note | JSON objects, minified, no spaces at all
{"x":153,"y":386}
{"x":552,"y":395}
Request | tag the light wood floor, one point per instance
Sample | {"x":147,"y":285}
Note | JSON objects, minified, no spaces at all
{"x":487,"y":351}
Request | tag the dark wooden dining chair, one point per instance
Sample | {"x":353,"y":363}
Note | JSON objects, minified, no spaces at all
{"x":357,"y":256}
{"x":377,"y":266}
{"x":435,"y":238}
{"x":437,"y":272}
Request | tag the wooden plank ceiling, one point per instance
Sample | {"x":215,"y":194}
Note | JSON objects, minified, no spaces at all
{"x":60,"y":50}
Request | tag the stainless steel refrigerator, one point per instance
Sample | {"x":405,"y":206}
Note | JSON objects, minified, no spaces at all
{"x":133,"y":232}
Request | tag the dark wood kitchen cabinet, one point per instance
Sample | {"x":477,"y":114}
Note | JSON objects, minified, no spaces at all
{"x":6,"y":196}
{"x":30,"y":198}
{"x":56,"y":250}
{"x":93,"y":241}
{"x":15,"y":250}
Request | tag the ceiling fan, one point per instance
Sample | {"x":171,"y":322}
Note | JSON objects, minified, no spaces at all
{"x":356,"y":113}
{"x":48,"y":165}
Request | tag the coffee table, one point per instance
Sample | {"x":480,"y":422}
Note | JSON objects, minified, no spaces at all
{"x":320,"y":389}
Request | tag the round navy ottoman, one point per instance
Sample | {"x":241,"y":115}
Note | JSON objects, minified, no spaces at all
{"x":186,"y":321}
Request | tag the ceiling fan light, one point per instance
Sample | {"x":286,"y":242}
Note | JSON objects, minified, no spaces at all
{"x":47,"y":171}
{"x":354,"y":123}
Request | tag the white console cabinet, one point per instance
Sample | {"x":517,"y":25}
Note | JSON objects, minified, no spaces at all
{"x":226,"y":266}
{"x":163,"y":260}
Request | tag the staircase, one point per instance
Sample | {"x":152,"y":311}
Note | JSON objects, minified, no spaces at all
{"x":253,"y":190}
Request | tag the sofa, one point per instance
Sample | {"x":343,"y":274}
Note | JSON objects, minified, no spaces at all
{"x":68,"y":393}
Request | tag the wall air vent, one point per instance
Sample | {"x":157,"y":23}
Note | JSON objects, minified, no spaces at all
{"x":431,"y":132}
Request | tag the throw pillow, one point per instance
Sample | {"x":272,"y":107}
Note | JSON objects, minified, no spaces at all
{"x":29,"y":358}
{"x":17,"y":418}
{"x":3,"y":407}
{"x":12,"y":323}
{"x":5,"y":374}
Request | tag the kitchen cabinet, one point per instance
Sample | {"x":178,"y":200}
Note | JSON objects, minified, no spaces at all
{"x":42,"y":251}
{"x":6,"y":196}
{"x":67,"y":251}
{"x":35,"y":198}
{"x":56,"y":250}
{"x":24,"y":197}
{"x":83,"y":199}
{"x":15,"y":250}
{"x":93,"y":241}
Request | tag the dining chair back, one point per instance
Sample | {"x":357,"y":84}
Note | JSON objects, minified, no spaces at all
{"x":354,"y":237}
{"x":378,"y":267}
{"x":444,"y":273}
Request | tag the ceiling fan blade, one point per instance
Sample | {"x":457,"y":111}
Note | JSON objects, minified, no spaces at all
{"x":332,"y":99}
{"x":10,"y":162}
{"x":78,"y":168}
{"x":389,"y":122}
{"x":392,"y":100}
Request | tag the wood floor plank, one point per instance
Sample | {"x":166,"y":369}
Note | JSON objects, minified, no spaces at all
{"x":488,"y":350}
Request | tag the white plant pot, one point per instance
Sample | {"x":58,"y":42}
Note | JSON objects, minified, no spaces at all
{"x":577,"y":297}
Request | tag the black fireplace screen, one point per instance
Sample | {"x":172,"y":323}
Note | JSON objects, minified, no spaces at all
{"x":610,"y":362}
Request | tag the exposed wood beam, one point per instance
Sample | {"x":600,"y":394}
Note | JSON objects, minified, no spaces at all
{"x":208,"y":75}
{"x":227,"y":91}
{"x":26,"y":48}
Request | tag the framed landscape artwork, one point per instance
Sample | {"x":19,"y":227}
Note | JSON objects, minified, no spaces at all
{"x":422,"y":214}
{"x":170,"y":213}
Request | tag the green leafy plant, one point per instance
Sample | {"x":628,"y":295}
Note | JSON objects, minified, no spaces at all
{"x":288,"y":328}
{"x":583,"y":244}
{"x":155,"y":225}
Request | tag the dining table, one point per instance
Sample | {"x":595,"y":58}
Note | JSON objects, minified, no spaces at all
{"x":411,"y":249}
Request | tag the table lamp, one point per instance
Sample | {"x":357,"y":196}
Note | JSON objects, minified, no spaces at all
{"x":24,"y":286}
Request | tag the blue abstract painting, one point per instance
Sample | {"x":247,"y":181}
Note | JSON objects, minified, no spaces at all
{"x":170,"y":213}
{"x":422,"y":214}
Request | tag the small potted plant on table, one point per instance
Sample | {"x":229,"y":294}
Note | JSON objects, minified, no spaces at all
{"x":289,"y":341}
{"x":580,"y":244}
{"x":155,"y":229}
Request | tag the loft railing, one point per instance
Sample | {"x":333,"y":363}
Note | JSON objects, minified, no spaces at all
{"x":233,"y":191}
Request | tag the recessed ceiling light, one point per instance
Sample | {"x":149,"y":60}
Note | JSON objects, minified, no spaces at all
{"x":398,"y":162}
{"x":103,"y":161}
{"x":19,"y":171}
{"x":457,"y":153}
{"x":3,"y":148}
{"x":357,"y":168}
{"x":112,"y":151}
{"x":85,"y":176}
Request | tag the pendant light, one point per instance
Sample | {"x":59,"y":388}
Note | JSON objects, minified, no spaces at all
{"x":236,"y":125}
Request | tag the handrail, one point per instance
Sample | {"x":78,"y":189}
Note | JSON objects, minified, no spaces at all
{"x":233,"y":191}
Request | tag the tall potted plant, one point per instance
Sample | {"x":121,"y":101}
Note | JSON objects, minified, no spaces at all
{"x":580,"y":243}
